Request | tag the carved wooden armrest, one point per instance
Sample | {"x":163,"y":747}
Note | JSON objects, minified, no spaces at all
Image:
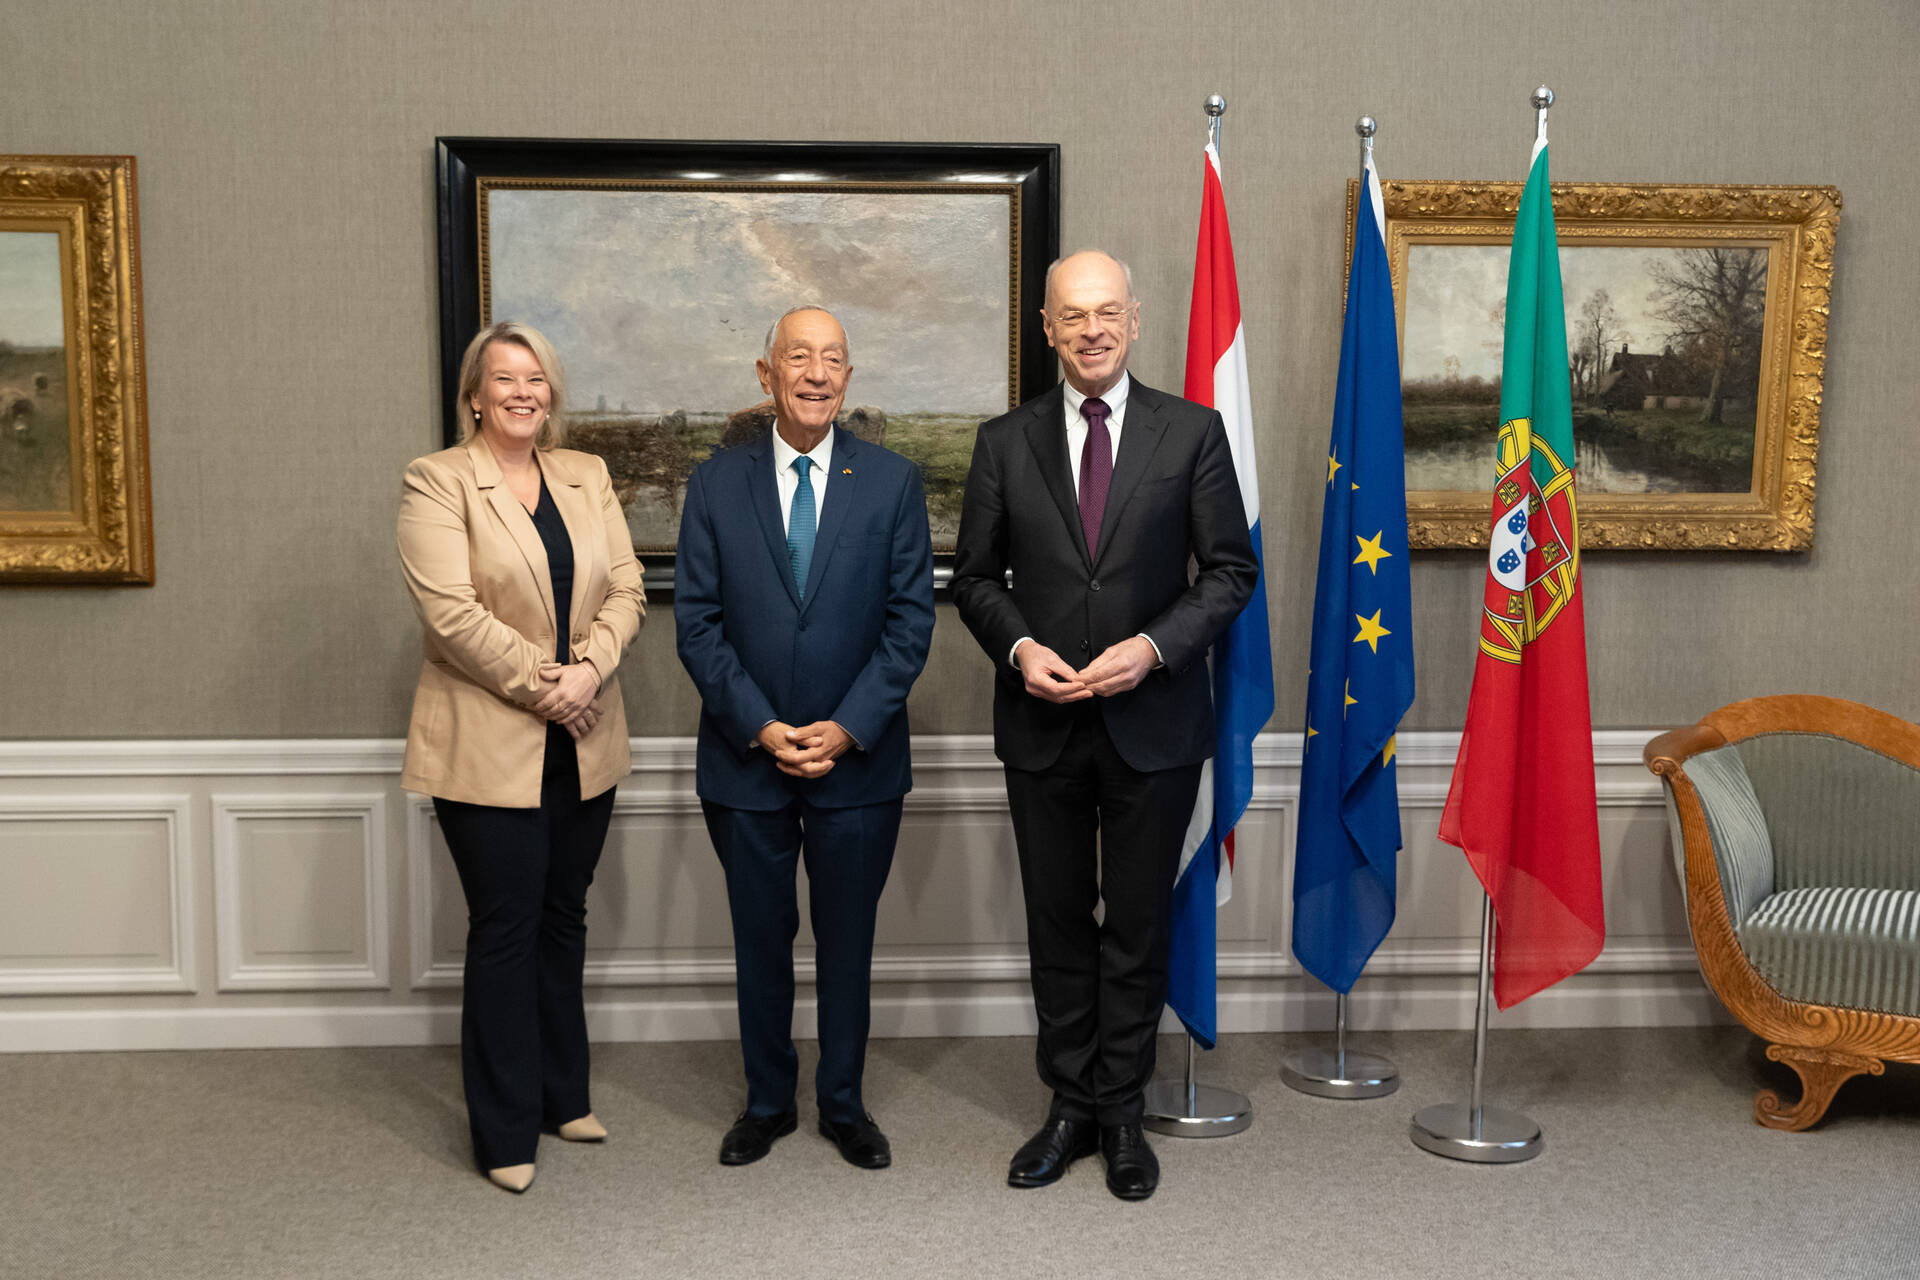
{"x":1666,"y":753}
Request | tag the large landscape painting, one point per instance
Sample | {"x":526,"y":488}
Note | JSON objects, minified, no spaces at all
{"x":1664,"y":354}
{"x":36,"y":436}
{"x":659,"y":301}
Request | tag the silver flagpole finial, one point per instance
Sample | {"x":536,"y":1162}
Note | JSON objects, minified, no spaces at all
{"x":1216,"y":107}
{"x":1366,"y":127}
{"x":1542,"y":98}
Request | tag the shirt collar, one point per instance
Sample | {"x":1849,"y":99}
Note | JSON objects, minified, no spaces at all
{"x":1116,"y":398}
{"x":784,"y":453}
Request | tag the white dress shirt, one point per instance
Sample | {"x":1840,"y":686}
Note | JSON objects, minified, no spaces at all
{"x":787,"y":480}
{"x":1077,"y":428}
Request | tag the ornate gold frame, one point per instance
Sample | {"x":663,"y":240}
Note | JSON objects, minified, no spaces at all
{"x":1795,"y":224}
{"x":105,"y":535}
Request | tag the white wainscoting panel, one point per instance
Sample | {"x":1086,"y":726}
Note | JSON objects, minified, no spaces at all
{"x":96,"y":895}
{"x":97,"y":903}
{"x":300,"y":891}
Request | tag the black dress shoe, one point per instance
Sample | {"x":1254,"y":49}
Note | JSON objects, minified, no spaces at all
{"x":752,"y":1136}
{"x":860,"y":1141}
{"x":1043,"y":1158}
{"x":1133,"y":1171}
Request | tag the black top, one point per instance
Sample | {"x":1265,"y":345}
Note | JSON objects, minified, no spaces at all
{"x":553,"y":532}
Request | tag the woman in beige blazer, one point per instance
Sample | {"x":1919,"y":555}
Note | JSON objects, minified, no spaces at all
{"x":523,"y":573}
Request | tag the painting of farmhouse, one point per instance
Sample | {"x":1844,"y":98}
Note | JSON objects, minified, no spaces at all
{"x":659,"y":302}
{"x":1664,"y":357}
{"x":36,"y":437}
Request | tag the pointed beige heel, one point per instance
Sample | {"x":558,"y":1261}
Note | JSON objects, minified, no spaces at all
{"x":586,"y":1129}
{"x":514,"y":1177}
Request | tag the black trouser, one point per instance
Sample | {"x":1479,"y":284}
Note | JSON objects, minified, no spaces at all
{"x":1091,"y":828}
{"x":523,"y":1025}
{"x":848,"y":852}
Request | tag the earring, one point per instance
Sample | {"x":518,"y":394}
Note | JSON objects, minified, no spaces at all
{"x":476,"y":415}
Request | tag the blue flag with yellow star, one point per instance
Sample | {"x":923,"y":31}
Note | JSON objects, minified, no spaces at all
{"x":1360,"y":680}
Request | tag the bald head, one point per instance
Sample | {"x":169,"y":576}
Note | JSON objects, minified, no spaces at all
{"x":1076,"y":265}
{"x":1091,"y":319}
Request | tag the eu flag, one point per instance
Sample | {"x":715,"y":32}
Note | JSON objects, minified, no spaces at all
{"x":1360,"y":681}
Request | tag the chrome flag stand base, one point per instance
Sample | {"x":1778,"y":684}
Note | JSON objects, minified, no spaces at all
{"x":1339,"y":1073}
{"x":1470,"y":1130}
{"x":1189,"y":1110}
{"x":1491,"y":1135}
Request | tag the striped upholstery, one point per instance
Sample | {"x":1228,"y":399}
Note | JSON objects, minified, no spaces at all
{"x":1839,"y":813}
{"x":1741,"y":845}
{"x":1848,"y":947}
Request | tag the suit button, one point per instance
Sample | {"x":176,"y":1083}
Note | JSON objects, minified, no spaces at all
{"x":1094,"y":585}
{"x":577,"y":637}
{"x":803,"y":624}
{"x":1083,"y":646}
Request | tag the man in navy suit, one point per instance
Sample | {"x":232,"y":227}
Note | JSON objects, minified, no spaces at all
{"x":1095,"y":496}
{"x":803,"y":608}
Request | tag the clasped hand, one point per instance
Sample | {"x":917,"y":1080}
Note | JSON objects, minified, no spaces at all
{"x":807,"y":751}
{"x":567,"y":699}
{"x":1118,"y":669}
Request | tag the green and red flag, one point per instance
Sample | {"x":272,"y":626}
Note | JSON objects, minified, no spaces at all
{"x":1522,"y":805}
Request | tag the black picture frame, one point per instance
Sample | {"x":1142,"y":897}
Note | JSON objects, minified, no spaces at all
{"x":469,"y":169}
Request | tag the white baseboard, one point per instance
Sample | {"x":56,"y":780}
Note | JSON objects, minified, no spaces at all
{"x":996,"y":1009}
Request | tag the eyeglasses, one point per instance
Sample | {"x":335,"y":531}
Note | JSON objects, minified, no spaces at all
{"x":1073,"y":320}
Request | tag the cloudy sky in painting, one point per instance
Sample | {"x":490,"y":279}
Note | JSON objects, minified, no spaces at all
{"x":1453,"y":291}
{"x":662,"y":299}
{"x":30,"y":289}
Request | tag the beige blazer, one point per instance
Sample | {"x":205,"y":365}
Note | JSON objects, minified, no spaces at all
{"x":478,"y":573}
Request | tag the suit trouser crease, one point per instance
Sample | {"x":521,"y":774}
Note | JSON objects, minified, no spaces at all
{"x":523,"y":1028}
{"x":847,"y":853}
{"x":1090,"y":829}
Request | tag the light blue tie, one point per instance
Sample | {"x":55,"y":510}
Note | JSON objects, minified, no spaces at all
{"x":800,"y":525}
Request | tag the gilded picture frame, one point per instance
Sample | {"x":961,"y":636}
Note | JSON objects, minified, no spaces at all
{"x":75,"y":499}
{"x":1706,"y":437}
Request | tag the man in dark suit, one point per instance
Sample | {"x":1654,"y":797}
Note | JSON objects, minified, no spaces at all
{"x":1095,"y":495}
{"x":803,"y":607}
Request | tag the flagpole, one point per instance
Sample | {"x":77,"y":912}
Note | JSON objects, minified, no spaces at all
{"x":1474,"y":1131}
{"x":1341,"y":1074}
{"x":1189,"y":1109}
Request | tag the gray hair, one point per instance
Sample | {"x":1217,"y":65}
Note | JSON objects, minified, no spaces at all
{"x":1046,"y":288}
{"x":766,"y":351}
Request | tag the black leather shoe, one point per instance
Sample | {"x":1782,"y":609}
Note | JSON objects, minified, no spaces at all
{"x":752,"y":1136}
{"x":860,"y":1141}
{"x":1043,"y":1158}
{"x":1133,"y":1171}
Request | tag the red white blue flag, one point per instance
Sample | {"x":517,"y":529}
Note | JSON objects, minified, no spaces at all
{"x":1243,"y":656}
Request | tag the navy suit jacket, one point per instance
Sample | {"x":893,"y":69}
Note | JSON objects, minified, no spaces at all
{"x":846,"y":651}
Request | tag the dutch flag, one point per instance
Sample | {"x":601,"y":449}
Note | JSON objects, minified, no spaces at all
{"x":1242,"y":658}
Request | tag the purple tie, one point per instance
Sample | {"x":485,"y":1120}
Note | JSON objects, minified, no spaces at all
{"x":1096,"y":471}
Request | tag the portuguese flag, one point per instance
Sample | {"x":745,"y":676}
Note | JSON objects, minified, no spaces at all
{"x":1521,"y":805}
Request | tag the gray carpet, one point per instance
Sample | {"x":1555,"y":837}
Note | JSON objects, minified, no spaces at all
{"x":354,"y":1162}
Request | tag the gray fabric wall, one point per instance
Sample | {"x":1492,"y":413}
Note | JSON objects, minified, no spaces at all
{"x":287,"y":236}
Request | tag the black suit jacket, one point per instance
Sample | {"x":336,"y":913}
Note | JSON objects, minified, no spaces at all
{"x":1174,"y":495}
